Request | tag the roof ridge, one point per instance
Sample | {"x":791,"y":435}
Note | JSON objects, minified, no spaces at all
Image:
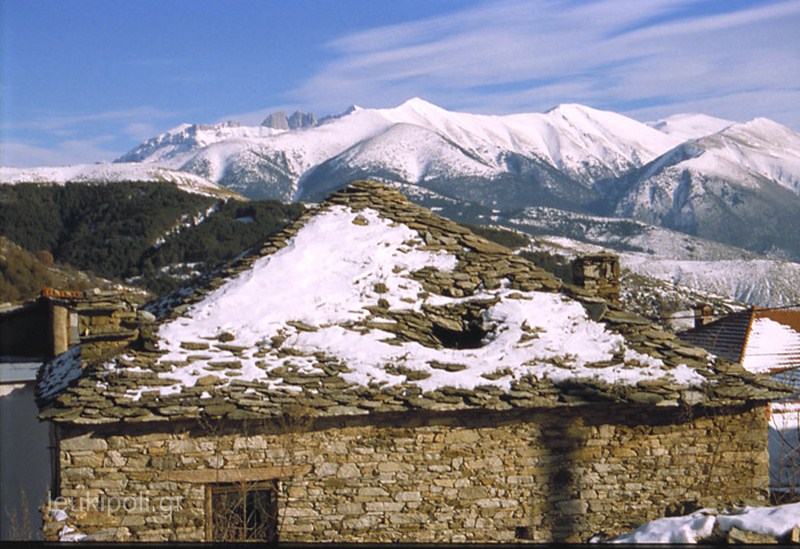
{"x":747,"y":334}
{"x":357,"y":195}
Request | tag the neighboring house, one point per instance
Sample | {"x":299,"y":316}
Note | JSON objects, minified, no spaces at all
{"x":377,"y":373}
{"x":766,"y":342}
{"x":31,"y":334}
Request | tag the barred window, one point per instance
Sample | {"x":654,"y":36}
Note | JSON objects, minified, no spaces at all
{"x":243,"y":512}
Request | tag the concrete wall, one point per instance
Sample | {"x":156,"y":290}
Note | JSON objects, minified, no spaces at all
{"x":550,"y":475}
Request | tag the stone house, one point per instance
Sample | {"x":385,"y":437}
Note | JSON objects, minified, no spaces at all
{"x":31,"y":334}
{"x":765,"y":342}
{"x":377,"y":373}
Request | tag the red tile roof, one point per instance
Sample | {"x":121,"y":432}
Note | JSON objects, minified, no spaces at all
{"x":733,"y":337}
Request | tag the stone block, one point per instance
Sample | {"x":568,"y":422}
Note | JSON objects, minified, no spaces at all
{"x":737,"y":536}
{"x":408,"y":496}
{"x":350,"y":508}
{"x":348,"y":470}
{"x":84,"y":443}
{"x":473,"y":492}
{"x":572,"y":507}
{"x":384,"y":506}
{"x":326,"y":469}
{"x":372,"y":492}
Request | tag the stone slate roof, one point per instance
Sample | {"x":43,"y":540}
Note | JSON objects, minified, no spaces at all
{"x":141,"y":384}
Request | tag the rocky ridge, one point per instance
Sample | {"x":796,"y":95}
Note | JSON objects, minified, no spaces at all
{"x":102,"y":394}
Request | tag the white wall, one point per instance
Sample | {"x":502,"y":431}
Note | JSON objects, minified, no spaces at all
{"x":24,"y":463}
{"x":784,"y":446}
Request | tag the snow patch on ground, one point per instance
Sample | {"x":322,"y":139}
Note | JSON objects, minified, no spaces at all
{"x":773,"y":521}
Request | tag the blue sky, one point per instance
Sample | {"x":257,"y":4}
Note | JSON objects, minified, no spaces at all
{"x":87,"y":80}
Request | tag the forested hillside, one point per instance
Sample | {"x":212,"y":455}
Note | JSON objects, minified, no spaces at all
{"x":23,"y":274}
{"x":133,"y":230}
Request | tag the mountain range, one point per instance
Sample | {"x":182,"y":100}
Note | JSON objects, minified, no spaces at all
{"x":682,"y":189}
{"x":737,"y":183}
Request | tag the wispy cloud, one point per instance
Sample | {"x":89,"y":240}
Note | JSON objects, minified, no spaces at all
{"x":530,"y":55}
{"x":75,"y":151}
{"x":50,"y":139}
{"x":60,"y":124}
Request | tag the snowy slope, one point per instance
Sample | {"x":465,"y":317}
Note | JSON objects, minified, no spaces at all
{"x":666,"y":255}
{"x":690,"y":126}
{"x":115,"y":173}
{"x":747,"y":154}
{"x":740,"y":186}
{"x":762,"y":282}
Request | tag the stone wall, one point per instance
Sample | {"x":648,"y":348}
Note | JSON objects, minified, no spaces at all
{"x":549,"y":475}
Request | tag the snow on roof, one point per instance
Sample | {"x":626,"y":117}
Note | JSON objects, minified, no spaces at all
{"x":324,"y":282}
{"x":771,"y":345}
{"x":57,"y":374}
{"x":371,"y":293}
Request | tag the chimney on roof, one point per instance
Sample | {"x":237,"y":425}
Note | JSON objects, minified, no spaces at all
{"x":598,"y":275}
{"x":703,"y":314}
{"x":101,"y":321}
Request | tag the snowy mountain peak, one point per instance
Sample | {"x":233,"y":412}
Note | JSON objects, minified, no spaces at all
{"x":764,"y":128}
{"x":690,"y":125}
{"x":418,"y":103}
{"x":572,"y":109}
{"x":418,"y":111}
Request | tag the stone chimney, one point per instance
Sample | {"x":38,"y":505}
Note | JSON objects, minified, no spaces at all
{"x":101,"y":321}
{"x":597,"y":275}
{"x":703,"y":314}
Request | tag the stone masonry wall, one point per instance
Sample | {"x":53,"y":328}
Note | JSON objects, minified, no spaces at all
{"x":553,"y":475}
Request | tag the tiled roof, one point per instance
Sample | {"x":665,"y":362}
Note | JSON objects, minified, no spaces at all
{"x":724,"y":337}
{"x":763,"y":340}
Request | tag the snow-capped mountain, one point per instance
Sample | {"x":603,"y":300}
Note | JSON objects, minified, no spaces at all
{"x":115,"y":173}
{"x":416,"y":142}
{"x":709,"y":177}
{"x":690,"y":125}
{"x":740,"y":185}
{"x":723,"y":181}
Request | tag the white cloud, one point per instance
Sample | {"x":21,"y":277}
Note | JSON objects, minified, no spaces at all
{"x":58,"y":139}
{"x":530,"y":55}
{"x":59,"y":123}
{"x":141,"y":130}
{"x":25,"y":155}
